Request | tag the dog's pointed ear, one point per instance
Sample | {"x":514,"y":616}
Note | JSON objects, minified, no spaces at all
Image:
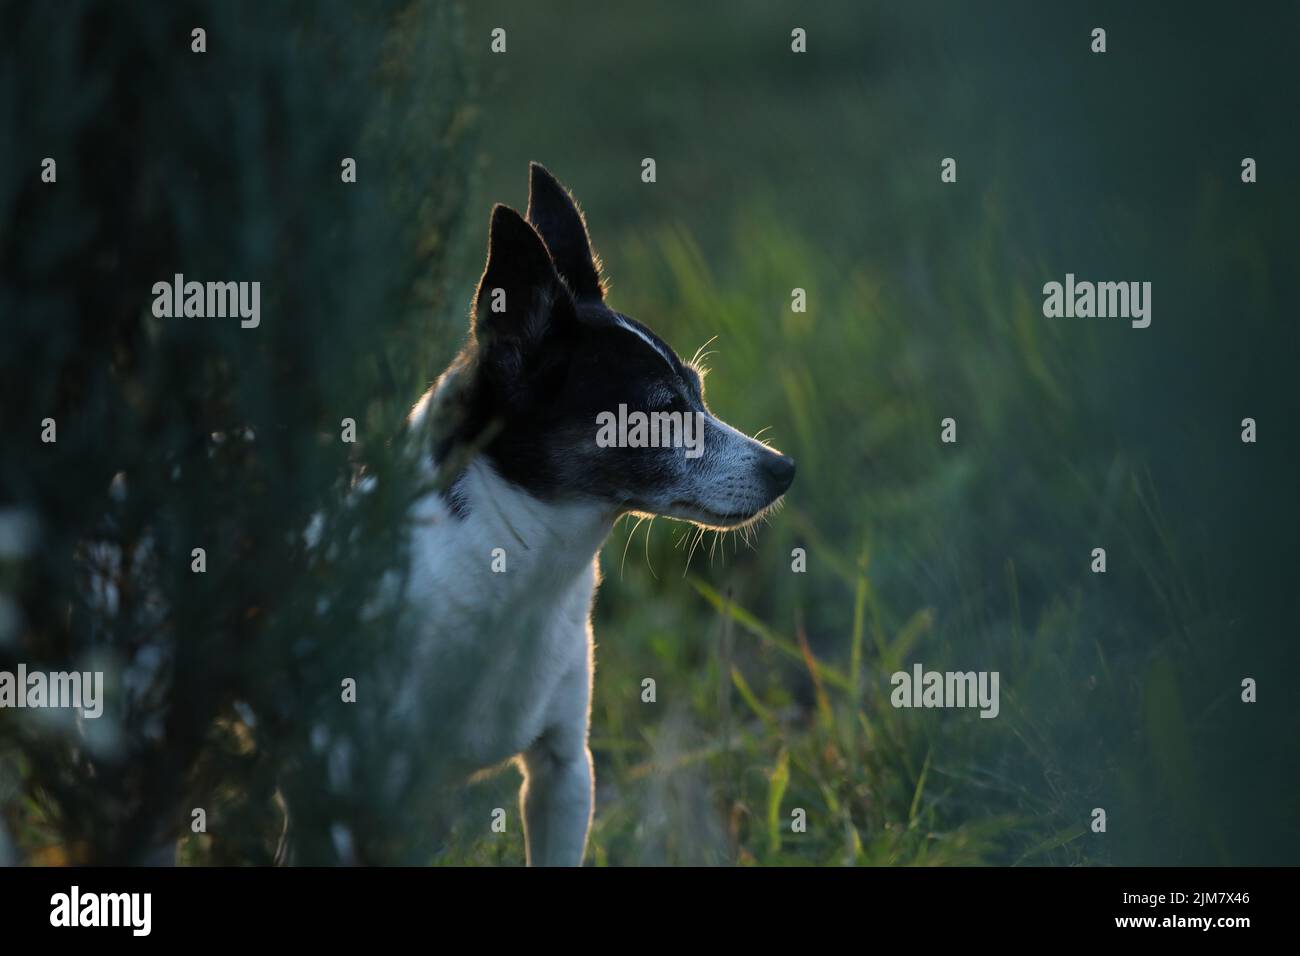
{"x":520,"y":296}
{"x":557,"y":217}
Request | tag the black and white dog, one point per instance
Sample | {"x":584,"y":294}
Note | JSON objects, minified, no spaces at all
{"x":504,"y":560}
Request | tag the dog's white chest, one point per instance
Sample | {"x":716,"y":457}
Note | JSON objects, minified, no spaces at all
{"x":503,"y":668}
{"x":500,"y":603}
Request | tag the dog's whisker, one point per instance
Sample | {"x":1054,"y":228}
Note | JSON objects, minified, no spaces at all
{"x":626,"y":544}
{"x":648,"y":562}
{"x":697,"y":357}
{"x":695,"y":540}
{"x":683,"y":536}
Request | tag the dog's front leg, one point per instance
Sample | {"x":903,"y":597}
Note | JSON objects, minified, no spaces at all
{"x":556,"y":801}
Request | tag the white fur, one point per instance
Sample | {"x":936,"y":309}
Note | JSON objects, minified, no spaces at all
{"x":515,"y":645}
{"x":625,"y":324}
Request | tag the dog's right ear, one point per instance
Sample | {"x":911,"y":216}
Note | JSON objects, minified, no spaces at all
{"x":520,"y":296}
{"x":552,"y":210}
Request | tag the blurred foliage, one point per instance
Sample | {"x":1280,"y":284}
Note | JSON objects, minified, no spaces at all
{"x":223,"y":687}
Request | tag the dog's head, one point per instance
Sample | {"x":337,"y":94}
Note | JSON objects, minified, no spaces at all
{"x":571,"y":400}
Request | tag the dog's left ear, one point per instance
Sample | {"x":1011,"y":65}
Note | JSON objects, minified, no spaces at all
{"x":555,"y":215}
{"x":520,"y":299}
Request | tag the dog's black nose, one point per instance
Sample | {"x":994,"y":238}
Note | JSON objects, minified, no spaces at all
{"x":779,"y":470}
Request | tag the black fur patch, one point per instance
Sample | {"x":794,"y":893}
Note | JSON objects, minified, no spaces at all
{"x":543,"y":368}
{"x":544,"y":418}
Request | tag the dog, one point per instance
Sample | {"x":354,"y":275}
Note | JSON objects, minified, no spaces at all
{"x":505,"y":552}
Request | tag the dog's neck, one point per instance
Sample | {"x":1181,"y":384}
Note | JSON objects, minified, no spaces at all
{"x":542,"y":543}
